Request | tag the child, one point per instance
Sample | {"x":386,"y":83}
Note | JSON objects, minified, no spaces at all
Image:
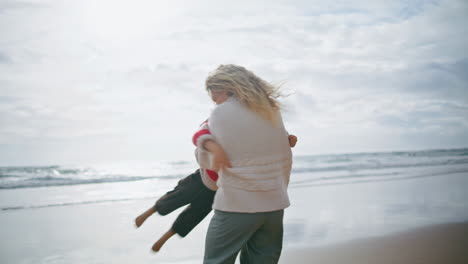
{"x":197,"y":190}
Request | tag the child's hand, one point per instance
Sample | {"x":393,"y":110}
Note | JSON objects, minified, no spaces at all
{"x":292,"y":140}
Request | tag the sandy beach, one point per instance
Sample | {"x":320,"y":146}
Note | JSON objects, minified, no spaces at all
{"x":411,"y":220}
{"x":104,"y":233}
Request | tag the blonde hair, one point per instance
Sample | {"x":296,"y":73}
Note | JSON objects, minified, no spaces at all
{"x":251,"y":91}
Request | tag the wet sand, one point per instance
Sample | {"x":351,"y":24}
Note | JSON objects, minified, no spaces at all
{"x":403,"y":221}
{"x":438,"y":244}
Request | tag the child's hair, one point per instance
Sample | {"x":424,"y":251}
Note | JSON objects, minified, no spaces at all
{"x":251,"y":91}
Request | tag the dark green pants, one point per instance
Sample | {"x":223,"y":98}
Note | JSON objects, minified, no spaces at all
{"x":190,"y":190}
{"x":258,"y":236}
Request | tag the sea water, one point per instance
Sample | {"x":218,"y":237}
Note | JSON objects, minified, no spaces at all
{"x":333,"y":197}
{"x":83,"y":214}
{"x":28,"y":187}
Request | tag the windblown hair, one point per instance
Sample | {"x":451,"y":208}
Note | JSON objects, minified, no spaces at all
{"x":253,"y":92}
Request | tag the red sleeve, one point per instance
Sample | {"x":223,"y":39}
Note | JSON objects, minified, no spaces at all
{"x":213,"y":174}
{"x":199,"y":133}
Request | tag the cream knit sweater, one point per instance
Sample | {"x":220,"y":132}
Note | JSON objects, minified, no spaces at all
{"x":260,"y":156}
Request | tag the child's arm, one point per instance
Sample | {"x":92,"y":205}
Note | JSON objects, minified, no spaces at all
{"x":206,"y":142}
{"x":202,"y":134}
{"x":292,"y":140}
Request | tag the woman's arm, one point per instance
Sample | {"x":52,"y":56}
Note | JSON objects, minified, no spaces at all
{"x":220,"y":159}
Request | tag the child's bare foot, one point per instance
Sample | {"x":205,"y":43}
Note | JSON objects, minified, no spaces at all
{"x":142,"y":218}
{"x":157,"y":246}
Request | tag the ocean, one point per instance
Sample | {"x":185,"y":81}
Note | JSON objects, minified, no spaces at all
{"x":59,"y":185}
{"x":85,"y":214}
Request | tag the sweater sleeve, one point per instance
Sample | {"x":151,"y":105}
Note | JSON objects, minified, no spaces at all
{"x":202,"y":135}
{"x":203,"y":156}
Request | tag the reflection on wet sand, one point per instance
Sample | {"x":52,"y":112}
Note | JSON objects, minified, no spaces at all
{"x":335,"y":213}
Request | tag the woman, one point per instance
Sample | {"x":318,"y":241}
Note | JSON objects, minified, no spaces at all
{"x":253,"y":157}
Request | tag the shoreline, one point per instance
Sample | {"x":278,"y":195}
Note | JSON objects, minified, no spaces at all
{"x":440,"y":243}
{"x":353,"y":223}
{"x":85,"y":238}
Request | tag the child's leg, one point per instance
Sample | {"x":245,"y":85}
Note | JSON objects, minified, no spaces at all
{"x":142,"y":218}
{"x":189,"y":218}
{"x":194,"y":213}
{"x":157,"y":246}
{"x":184,"y":192}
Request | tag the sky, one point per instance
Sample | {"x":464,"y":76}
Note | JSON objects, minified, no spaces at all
{"x":94,"y":81}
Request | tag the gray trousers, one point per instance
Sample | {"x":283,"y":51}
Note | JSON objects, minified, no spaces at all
{"x":259,"y":237}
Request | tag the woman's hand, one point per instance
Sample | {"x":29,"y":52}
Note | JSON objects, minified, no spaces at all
{"x":292,"y":140}
{"x":220,"y":159}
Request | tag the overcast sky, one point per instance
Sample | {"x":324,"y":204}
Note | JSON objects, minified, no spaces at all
{"x":98,"y":81}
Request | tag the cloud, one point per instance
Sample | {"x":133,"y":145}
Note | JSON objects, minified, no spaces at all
{"x":359,"y":71}
{"x":9,"y":5}
{"x":4,"y":59}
